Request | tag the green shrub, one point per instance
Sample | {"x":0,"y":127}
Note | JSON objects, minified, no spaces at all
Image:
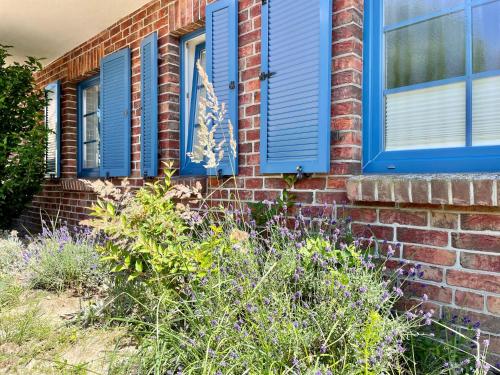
{"x":60,"y":258}
{"x":149,"y":239}
{"x":22,"y":154}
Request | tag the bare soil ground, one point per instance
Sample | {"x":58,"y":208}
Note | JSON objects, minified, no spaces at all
{"x":38,"y":335}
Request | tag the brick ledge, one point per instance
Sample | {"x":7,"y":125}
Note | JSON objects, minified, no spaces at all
{"x":450,"y":189}
{"x":75,"y":184}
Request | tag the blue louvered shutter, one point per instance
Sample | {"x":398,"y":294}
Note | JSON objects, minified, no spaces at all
{"x":295,"y":86}
{"x":53,"y":124}
{"x":222,"y":70}
{"x":149,"y":106}
{"x":115,"y":114}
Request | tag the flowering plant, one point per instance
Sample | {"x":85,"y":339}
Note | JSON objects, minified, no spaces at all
{"x":292,"y":301}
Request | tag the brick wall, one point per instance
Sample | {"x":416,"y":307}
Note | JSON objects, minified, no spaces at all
{"x":448,"y":224}
{"x":451,"y":225}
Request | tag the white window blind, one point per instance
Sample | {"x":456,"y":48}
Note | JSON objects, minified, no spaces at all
{"x":426,"y":118}
{"x":486,"y":111}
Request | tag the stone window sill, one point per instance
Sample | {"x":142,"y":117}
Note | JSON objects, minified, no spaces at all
{"x":442,"y":189}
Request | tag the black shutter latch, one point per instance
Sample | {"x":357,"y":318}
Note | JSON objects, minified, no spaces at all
{"x":266,"y":75}
{"x":264,"y":2}
{"x":300,"y":173}
{"x":232,"y":85}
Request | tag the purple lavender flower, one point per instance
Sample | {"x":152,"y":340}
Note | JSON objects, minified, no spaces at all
{"x":398,"y":291}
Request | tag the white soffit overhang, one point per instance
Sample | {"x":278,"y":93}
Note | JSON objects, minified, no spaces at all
{"x":50,"y":28}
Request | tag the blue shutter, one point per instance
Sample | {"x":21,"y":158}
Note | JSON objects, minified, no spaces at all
{"x":149,"y":106}
{"x":222,"y":70}
{"x":115,"y":114}
{"x":295,"y":86}
{"x":53,"y":124}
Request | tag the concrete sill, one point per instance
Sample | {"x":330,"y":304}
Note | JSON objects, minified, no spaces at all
{"x":446,"y":189}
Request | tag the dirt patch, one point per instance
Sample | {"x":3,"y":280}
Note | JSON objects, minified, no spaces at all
{"x":67,"y":348}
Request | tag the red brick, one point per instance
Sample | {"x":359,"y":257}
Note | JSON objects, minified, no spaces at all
{"x":384,"y":190}
{"x":368,"y":190}
{"x":481,"y":262}
{"x":364,"y":215}
{"x":460,"y":191}
{"x":489,"y":323}
{"x":480,"y":222}
{"x":488,"y":283}
{"x":302,"y":196}
{"x":311,"y":184}
{"x":429,"y":255}
{"x":420,"y":191}
{"x":439,"y":191}
{"x":422,"y":236}
{"x":253,"y":183}
{"x":434,"y":292}
{"x":493,"y":304}
{"x":331,"y":197}
{"x":266,"y":195}
{"x":432,"y":273}
{"x":353,"y":190}
{"x":444,"y":220}
{"x":401,"y":191}
{"x":417,"y":218}
{"x":483,"y":192}
{"x":275,"y":183}
{"x":480,"y":242}
{"x":377,"y":231}
{"x":470,"y":300}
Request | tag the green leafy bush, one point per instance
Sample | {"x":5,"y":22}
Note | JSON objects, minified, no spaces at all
{"x":22,"y":155}
{"x":148,"y":237}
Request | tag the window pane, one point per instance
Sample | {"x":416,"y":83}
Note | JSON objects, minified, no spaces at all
{"x":486,"y":111}
{"x":91,"y":99}
{"x":427,"y":51}
{"x":427,"y":118}
{"x":485,"y":34}
{"x":91,"y":155}
{"x":90,"y":128}
{"x":401,"y":10}
{"x":200,"y":93}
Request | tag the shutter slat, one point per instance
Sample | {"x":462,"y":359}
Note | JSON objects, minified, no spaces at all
{"x":115,"y":114}
{"x":295,"y":104}
{"x":149,"y":106}
{"x":53,"y":124}
{"x":222,"y":69}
